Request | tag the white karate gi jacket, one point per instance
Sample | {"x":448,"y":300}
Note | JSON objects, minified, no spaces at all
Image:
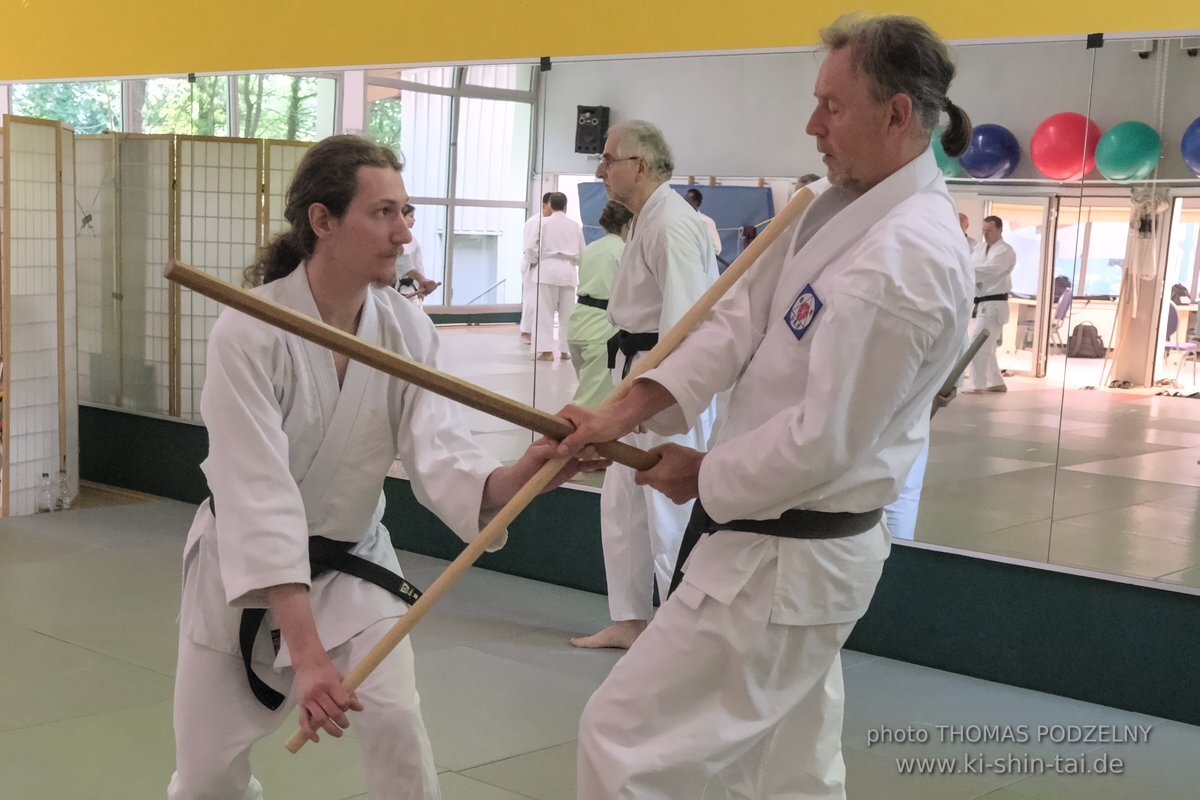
{"x":713,"y":234}
{"x":832,"y":420}
{"x":993,"y":268}
{"x":554,"y":252}
{"x":529,"y":241}
{"x":668,"y":247}
{"x":291,"y":456}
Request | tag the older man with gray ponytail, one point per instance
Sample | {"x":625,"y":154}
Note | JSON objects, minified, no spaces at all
{"x":834,"y":346}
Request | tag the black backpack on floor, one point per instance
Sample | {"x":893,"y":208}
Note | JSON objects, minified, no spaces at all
{"x":1085,"y":342}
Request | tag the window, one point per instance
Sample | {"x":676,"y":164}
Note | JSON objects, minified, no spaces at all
{"x":87,"y":106}
{"x":198,"y":107}
{"x":1183,"y":253}
{"x":1090,"y":245}
{"x":288,"y":107}
{"x":466,"y":137}
{"x":501,"y":76}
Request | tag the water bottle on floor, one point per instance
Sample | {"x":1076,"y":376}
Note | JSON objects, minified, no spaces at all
{"x":64,"y":492}
{"x":45,"y":498}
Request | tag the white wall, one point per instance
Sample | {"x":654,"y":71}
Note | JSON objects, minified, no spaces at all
{"x":744,"y":115}
{"x":707,"y":108}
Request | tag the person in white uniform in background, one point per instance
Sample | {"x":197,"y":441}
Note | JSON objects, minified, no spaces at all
{"x":410,"y":265}
{"x":529,"y":292}
{"x":555,"y":257}
{"x":993,"y":260}
{"x":589,"y":331}
{"x":695,"y":199}
{"x":965,"y":223}
{"x":834,"y":344}
{"x":667,"y":264}
{"x":300,"y":441}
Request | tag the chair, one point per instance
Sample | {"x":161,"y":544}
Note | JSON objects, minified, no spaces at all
{"x":1060,"y":315}
{"x":1188,"y":351}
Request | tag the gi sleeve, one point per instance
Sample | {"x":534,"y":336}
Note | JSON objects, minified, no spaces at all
{"x":262,"y":531}
{"x":447,"y":468}
{"x":999,"y":263}
{"x":532,"y":242}
{"x":678,"y":263}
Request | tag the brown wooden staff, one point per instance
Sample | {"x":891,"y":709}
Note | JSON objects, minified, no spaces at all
{"x":416,"y":373}
{"x":542,"y":477}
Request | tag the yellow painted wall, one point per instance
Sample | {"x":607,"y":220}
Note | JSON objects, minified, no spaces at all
{"x":42,"y":39}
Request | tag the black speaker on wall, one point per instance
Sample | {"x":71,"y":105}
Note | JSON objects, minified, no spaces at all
{"x":591,"y":127}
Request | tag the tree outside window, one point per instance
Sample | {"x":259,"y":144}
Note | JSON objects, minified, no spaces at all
{"x":87,"y":106}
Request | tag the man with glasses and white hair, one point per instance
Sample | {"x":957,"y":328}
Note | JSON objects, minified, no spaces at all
{"x":667,"y":264}
{"x":834,"y":345}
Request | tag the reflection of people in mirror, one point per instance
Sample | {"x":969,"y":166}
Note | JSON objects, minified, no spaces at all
{"x":556,"y":256}
{"x":965,"y":223}
{"x":410,"y":265}
{"x":289,"y":549}
{"x":529,"y":242}
{"x":589,"y":330}
{"x":695,"y":199}
{"x":667,"y":264}
{"x":737,"y":679}
{"x":993,"y":261}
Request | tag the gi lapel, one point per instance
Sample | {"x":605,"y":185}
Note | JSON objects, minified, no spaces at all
{"x":848,"y":226}
{"x":339,"y":407}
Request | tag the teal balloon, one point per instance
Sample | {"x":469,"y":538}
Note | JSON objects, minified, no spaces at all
{"x":949,"y":166}
{"x":1128,"y":151}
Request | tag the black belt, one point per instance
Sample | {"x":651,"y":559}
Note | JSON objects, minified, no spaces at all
{"x":797,"y":523}
{"x":594,"y":302}
{"x":630,"y":344}
{"x":324,"y":555}
{"x":986,"y":298}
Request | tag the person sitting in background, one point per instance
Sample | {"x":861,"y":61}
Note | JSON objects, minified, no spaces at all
{"x":410,"y":265}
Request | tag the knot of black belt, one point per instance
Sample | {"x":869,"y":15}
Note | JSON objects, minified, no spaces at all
{"x":630,"y":344}
{"x":324,"y":555}
{"x":987,"y":298}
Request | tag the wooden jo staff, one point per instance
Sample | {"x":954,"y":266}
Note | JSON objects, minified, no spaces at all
{"x":542,"y":477}
{"x":314,"y":330}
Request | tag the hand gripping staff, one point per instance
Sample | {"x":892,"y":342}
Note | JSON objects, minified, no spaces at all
{"x":637,"y":459}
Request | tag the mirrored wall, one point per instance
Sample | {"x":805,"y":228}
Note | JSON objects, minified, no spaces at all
{"x":1087,"y":156}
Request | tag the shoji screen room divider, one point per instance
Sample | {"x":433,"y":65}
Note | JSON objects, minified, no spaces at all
{"x":37,"y":321}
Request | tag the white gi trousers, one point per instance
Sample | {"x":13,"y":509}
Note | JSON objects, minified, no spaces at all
{"x":711,"y":690}
{"x":984,"y":370}
{"x":218,"y":719}
{"x":640,"y":528}
{"x":550,"y":299}
{"x":529,"y":289}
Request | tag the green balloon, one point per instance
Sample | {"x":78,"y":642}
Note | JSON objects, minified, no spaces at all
{"x":949,"y":166}
{"x":1128,"y":151}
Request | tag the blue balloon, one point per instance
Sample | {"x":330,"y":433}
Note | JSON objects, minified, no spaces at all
{"x":1189,"y":147}
{"x":993,"y":153}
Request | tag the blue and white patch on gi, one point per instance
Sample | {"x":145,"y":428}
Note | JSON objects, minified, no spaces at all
{"x":803,"y":311}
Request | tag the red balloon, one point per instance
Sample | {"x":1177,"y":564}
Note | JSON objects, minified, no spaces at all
{"x":1063,"y":147}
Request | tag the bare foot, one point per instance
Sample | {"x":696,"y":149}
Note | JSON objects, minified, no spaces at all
{"x":565,"y":356}
{"x":545,"y":357}
{"x":620,"y":634}
{"x":526,"y":338}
